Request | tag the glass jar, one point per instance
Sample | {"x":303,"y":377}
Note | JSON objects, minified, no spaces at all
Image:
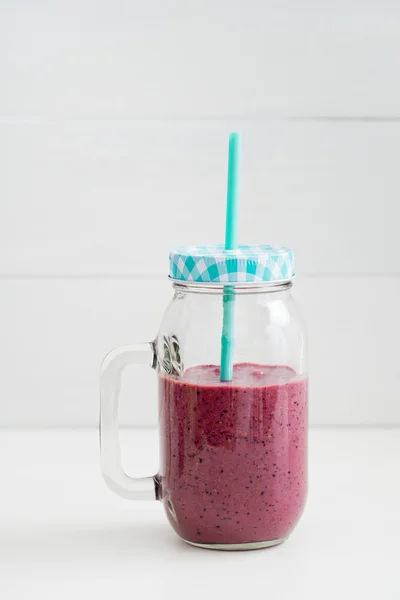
{"x":233,"y":472}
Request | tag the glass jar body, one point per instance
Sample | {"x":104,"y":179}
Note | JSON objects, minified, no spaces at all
{"x":233,"y":469}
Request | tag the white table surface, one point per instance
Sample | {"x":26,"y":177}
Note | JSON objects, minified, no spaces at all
{"x":64,"y":535}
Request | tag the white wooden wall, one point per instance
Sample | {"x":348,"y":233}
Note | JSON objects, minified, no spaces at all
{"x":114,"y":120}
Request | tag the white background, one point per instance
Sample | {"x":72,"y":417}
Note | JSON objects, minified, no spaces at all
{"x":114,"y":121}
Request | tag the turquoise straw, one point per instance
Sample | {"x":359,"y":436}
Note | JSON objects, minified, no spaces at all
{"x":231,"y":243}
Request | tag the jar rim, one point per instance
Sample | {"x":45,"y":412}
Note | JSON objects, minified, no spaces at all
{"x":233,"y":287}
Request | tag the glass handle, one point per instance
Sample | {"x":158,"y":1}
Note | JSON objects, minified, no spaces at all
{"x":113,"y":365}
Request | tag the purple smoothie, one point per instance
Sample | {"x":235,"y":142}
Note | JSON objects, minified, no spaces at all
{"x":233,"y":454}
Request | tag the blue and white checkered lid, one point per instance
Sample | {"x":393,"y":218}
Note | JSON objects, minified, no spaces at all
{"x":247,"y":264}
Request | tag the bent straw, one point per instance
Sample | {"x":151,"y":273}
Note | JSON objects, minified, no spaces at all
{"x":231,"y":243}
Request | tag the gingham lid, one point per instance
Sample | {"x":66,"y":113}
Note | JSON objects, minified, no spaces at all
{"x":247,"y":264}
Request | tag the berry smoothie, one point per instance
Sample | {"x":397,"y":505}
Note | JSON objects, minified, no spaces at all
{"x":233,"y":454}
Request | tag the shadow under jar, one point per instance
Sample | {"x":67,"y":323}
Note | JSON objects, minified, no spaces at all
{"x":233,"y":469}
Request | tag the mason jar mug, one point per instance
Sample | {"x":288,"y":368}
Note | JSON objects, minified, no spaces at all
{"x":233,"y":472}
